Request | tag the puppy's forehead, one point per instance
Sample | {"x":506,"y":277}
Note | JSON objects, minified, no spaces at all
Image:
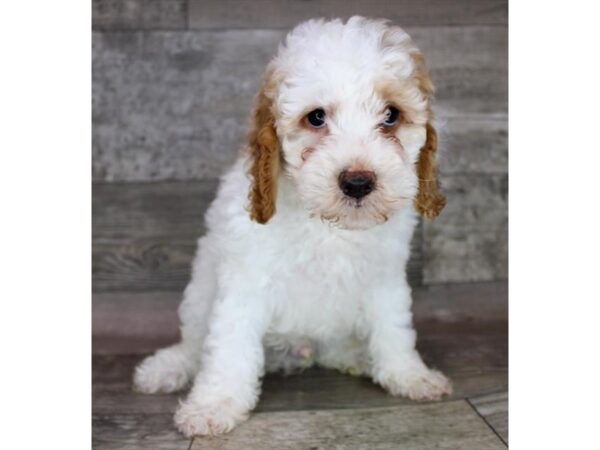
{"x":328,"y":62}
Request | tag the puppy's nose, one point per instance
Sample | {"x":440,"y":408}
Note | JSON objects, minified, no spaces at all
{"x":356,"y":184}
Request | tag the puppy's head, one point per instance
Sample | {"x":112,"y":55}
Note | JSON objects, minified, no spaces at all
{"x":344,"y":112}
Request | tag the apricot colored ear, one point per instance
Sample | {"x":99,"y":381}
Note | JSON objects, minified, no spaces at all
{"x":264,"y":148}
{"x":429,"y":200}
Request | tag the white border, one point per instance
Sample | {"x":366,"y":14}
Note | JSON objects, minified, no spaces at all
{"x":554,"y":224}
{"x":45,"y":176}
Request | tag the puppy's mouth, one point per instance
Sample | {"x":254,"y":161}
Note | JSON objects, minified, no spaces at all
{"x":355,"y":204}
{"x":362,"y":213}
{"x":356,"y":214}
{"x":368,"y":201}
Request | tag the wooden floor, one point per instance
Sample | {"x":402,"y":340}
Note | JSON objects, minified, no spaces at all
{"x":462,"y":331}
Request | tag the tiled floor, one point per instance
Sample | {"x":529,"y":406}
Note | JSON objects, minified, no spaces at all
{"x":462,"y":331}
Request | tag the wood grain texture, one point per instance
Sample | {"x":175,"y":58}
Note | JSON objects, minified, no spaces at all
{"x":136,"y":431}
{"x":461,"y":303}
{"x":121,"y":15}
{"x":216,"y":14}
{"x":134,"y":322}
{"x":494,"y":409}
{"x":477,"y":144}
{"x":144,"y":235}
{"x":451,"y":425}
{"x":469,"y":240}
{"x":174,"y":105}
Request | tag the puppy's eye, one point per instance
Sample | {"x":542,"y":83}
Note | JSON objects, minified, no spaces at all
{"x":316,"y":118}
{"x":392,"y":115}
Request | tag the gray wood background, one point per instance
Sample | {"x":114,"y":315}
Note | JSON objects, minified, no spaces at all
{"x":173,"y":82}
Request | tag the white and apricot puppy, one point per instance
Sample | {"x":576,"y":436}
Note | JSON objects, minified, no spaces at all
{"x":308,"y":237}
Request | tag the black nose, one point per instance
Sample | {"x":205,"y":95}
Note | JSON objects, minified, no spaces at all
{"x":356,"y":184}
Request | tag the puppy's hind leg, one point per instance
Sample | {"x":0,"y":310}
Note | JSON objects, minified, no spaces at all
{"x":168,"y":370}
{"x":171,"y":369}
{"x":289,"y":354}
{"x":348,"y":355}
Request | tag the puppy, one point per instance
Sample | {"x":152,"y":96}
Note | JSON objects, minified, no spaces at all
{"x":308,"y":237}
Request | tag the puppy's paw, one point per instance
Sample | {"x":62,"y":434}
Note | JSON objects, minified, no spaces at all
{"x":201,"y":420}
{"x":421,"y":385}
{"x":160,"y":373}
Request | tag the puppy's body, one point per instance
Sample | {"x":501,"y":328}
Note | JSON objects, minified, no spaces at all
{"x":314,"y":278}
{"x":324,"y":280}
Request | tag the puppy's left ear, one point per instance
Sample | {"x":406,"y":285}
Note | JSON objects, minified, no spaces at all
{"x":265,"y":154}
{"x":429,"y":200}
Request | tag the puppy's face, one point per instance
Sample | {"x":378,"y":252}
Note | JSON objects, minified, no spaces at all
{"x":348,"y":108}
{"x":351,"y":145}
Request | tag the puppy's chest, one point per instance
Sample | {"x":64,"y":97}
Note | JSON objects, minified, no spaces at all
{"x":317,"y":262}
{"x":319,"y":285}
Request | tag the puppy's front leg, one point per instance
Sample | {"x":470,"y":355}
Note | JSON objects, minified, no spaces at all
{"x":397,"y":365}
{"x":228,"y":385}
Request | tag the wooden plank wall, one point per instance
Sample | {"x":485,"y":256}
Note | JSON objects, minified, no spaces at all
{"x":173,"y":82}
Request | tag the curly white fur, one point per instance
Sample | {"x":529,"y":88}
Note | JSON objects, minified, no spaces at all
{"x":324,"y":280}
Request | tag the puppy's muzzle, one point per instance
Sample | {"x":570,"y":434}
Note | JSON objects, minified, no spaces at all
{"x":356,"y":184}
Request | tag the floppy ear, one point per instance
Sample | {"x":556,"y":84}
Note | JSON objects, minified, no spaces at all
{"x":265,"y":153}
{"x":429,"y":200}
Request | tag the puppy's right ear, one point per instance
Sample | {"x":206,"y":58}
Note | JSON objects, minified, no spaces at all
{"x":265,"y":154}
